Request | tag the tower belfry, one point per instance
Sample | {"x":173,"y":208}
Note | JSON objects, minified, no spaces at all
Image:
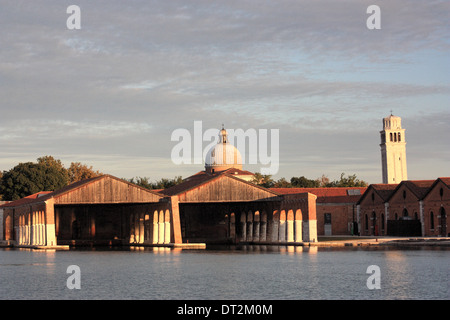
{"x":393,"y":150}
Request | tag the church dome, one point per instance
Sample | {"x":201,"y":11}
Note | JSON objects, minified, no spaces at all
{"x":223,"y":155}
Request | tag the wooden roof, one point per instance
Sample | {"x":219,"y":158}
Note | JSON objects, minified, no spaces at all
{"x":216,"y":187}
{"x":102,"y":189}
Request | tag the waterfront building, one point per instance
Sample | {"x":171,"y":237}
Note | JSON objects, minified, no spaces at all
{"x":410,"y":208}
{"x":217,"y":205}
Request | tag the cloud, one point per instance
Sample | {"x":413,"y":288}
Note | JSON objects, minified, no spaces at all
{"x":138,"y":70}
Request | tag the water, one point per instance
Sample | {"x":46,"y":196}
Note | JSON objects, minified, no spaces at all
{"x":254,"y":273}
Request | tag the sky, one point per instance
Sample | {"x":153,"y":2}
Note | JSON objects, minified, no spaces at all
{"x":111,"y":94}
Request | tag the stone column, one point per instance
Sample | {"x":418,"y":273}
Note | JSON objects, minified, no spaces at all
{"x":249,"y":226}
{"x":243,"y":226}
{"x":256,"y":225}
{"x":161,"y":227}
{"x":167,"y":227}
{"x":155,"y":227}
{"x":263,"y":227}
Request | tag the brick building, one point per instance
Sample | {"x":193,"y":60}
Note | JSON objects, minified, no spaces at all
{"x":410,"y":208}
{"x":335,"y":208}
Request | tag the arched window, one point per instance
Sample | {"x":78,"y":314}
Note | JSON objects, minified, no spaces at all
{"x":392,"y":139}
{"x":395,"y":137}
{"x":431,"y":220}
{"x":405,"y":212}
{"x":399,"y":137}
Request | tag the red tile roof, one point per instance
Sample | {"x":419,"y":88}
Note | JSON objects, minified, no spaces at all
{"x":25,"y":200}
{"x":327,"y":195}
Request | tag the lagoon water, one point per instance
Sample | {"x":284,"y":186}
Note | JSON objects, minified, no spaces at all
{"x":250,"y":273}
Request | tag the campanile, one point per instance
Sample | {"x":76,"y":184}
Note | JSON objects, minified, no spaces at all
{"x":393,"y":150}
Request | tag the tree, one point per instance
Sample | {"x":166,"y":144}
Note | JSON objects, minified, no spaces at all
{"x":303,"y":182}
{"x":28,"y":178}
{"x":164,"y":183}
{"x":282,"y":183}
{"x":264,"y":180}
{"x":78,"y":171}
{"x":350,"y":181}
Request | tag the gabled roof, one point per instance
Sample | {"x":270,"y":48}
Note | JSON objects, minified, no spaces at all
{"x":203,"y":178}
{"x":46,"y":195}
{"x":444,"y":180}
{"x":383,"y":190}
{"x":419,"y":187}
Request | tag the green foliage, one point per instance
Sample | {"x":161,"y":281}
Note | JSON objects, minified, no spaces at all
{"x":164,"y":183}
{"x":28,"y":178}
{"x":302,"y":182}
{"x":47,"y":174}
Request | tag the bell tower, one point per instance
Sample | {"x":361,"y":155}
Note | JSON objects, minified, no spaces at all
{"x":393,"y":150}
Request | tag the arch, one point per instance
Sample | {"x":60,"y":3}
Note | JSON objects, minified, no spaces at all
{"x":405,"y":212}
{"x":431,"y":220}
{"x":232,"y":226}
{"x":399,"y":137}
{"x":243,"y":226}
{"x":392,"y":138}
{"x":366,"y":223}
{"x":8,"y":227}
{"x":374,"y":224}
{"x":256,"y":226}
{"x":250,"y":226}
{"x":443,"y":222}
{"x":167,"y":226}
{"x":282,"y":228}
{"x":273,"y":228}
{"x":161,"y":227}
{"x":290,"y":226}
{"x":263,"y":226}
{"x":298,"y":226}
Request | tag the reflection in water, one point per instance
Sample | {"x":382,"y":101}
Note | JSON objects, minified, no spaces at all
{"x":225,"y":272}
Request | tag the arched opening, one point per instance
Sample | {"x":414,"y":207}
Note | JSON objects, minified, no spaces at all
{"x":256,"y":226}
{"x":161,"y":227}
{"x":366,"y":223}
{"x":431,"y":220}
{"x":155,"y":227}
{"x":243,"y":227}
{"x":405,"y":213}
{"x":290,"y":226}
{"x":282,"y":229}
{"x":250,"y":226}
{"x":443,"y":224}
{"x":374,"y":224}
{"x":167,"y":233}
{"x":298,"y":227}
{"x":263,"y":227}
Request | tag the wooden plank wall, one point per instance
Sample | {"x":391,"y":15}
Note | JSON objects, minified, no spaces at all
{"x":226,"y":189}
{"x":107,"y":190}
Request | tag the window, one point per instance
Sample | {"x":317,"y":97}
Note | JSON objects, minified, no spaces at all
{"x":399,"y":137}
{"x":441,"y":192}
{"x":392,"y":139}
{"x":431,"y":220}
{"x":327,"y":218}
{"x":395,"y":137}
{"x":366,"y":220}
